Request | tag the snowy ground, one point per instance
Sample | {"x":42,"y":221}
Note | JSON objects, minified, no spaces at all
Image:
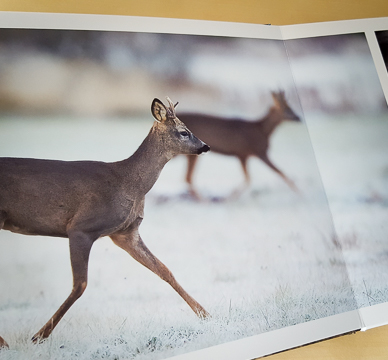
{"x":266,"y":260}
{"x":352,"y":154}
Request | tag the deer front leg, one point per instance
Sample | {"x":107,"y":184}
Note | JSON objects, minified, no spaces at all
{"x":133,"y":245}
{"x":191,"y":162}
{"x":80,"y":246}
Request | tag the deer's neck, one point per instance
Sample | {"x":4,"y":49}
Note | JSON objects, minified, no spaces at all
{"x":270,"y":121}
{"x":143,"y":168}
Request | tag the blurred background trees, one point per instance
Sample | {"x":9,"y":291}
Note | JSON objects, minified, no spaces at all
{"x":119,"y":73}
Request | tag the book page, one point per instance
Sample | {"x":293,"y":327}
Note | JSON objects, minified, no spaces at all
{"x":341,"y":79}
{"x":257,"y":248}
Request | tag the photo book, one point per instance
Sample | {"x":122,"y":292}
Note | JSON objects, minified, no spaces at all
{"x":279,"y":233}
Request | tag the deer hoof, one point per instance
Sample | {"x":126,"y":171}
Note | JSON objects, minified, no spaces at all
{"x":39,"y":337}
{"x":194,"y":195}
{"x":202,"y":313}
{"x":3,"y":344}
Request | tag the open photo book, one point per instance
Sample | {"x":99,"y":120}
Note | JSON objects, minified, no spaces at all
{"x":280,"y":231}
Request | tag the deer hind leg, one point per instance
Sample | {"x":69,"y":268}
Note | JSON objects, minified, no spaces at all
{"x":134,"y":246}
{"x":289,"y":182}
{"x":3,"y":343}
{"x":191,"y":162}
{"x":80,"y":246}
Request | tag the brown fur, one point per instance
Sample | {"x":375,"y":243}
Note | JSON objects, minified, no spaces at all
{"x":3,"y":343}
{"x":240,"y":138}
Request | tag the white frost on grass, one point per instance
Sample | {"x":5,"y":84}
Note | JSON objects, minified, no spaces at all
{"x":352,"y":154}
{"x":96,"y":332}
{"x":259,"y":263}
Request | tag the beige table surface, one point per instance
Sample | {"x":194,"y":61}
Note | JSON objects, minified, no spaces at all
{"x":372,"y":344}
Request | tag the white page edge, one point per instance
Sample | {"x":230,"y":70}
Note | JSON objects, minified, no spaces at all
{"x":280,"y":340}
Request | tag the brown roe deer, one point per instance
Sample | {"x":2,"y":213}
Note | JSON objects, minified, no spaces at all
{"x":86,"y":200}
{"x":240,"y":138}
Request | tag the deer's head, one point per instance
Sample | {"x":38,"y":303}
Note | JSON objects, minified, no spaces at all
{"x":177,"y":138}
{"x":281,"y":104}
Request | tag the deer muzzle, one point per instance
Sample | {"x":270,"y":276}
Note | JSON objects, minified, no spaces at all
{"x":204,"y":148}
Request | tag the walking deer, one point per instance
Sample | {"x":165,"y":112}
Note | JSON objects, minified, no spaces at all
{"x":86,"y":200}
{"x":240,"y":138}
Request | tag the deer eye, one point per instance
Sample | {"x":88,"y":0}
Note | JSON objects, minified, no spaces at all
{"x":184,"y":133}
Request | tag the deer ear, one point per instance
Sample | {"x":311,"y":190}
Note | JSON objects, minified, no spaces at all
{"x":158,"y":110}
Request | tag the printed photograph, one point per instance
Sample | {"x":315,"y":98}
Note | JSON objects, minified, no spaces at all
{"x":232,"y":242}
{"x":347,"y":117}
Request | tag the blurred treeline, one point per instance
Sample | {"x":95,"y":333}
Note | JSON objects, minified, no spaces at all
{"x":119,"y":73}
{"x":88,"y":72}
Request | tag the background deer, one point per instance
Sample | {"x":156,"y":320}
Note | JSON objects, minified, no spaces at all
{"x":240,"y":138}
{"x":86,"y":200}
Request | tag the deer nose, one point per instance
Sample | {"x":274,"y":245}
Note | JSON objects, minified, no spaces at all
{"x":204,"y":148}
